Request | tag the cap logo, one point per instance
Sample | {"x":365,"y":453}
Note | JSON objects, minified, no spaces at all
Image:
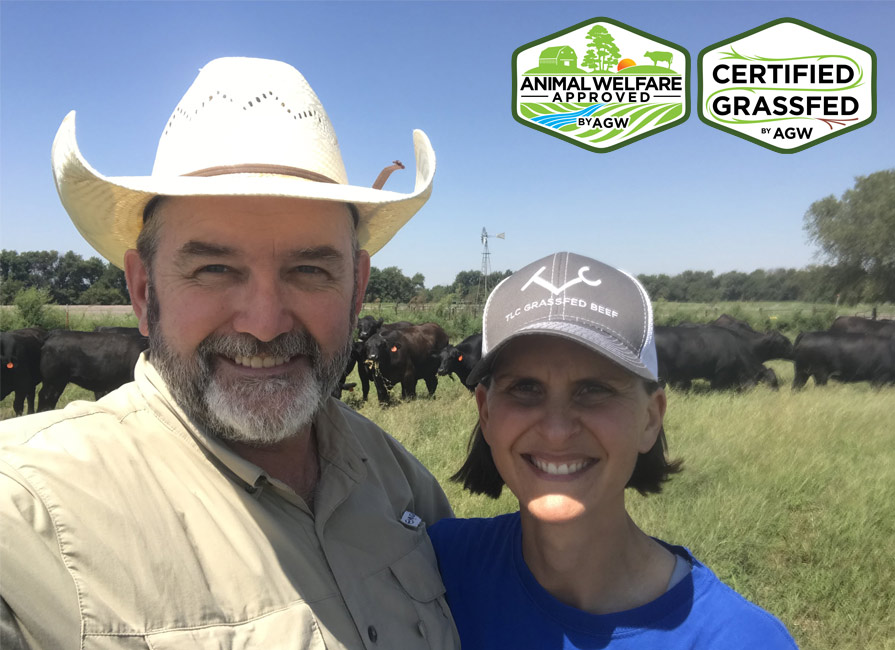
{"x":537,"y":279}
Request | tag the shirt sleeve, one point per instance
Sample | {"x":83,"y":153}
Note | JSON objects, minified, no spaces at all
{"x":429,"y":500}
{"x":39,"y":597}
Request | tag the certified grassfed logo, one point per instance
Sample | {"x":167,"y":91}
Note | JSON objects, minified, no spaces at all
{"x":601,"y":84}
{"x":787,"y":85}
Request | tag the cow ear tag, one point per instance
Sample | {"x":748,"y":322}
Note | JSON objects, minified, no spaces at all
{"x":460,"y":358}
{"x":394,"y":348}
{"x":9,"y":365}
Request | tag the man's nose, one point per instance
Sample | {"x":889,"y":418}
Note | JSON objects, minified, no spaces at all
{"x":263,"y":311}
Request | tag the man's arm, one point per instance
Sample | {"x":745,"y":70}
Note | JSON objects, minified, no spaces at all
{"x":39,"y":597}
{"x":429,"y":499}
{"x":11,"y":636}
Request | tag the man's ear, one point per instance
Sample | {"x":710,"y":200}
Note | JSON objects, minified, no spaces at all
{"x":363,"y":276}
{"x":138,"y":286}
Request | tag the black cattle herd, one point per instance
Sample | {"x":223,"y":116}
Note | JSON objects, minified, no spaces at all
{"x":727,"y":353}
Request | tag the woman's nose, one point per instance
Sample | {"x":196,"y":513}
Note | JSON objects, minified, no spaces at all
{"x":559,"y":422}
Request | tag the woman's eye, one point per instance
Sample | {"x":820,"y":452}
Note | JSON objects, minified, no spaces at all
{"x":526,"y":389}
{"x":593,"y":390}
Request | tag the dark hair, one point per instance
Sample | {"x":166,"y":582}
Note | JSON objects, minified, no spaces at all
{"x":479,"y":475}
{"x":147,"y":240}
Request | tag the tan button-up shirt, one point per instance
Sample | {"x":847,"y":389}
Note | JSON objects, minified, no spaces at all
{"x":125,"y":526}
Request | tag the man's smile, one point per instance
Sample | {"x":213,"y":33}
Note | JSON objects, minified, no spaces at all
{"x":260,"y":362}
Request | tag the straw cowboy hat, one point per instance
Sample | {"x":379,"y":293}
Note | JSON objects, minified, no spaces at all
{"x":246,"y":127}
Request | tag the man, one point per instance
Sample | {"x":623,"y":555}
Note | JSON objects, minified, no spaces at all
{"x":222,"y":499}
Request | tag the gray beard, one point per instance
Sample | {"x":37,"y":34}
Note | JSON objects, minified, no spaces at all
{"x":253,"y":411}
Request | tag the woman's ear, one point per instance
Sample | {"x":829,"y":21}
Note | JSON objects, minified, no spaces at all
{"x":655,"y":416}
{"x":481,"y":400}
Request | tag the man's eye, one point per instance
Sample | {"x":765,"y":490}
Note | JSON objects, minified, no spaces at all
{"x":215,"y":268}
{"x":313,"y":270}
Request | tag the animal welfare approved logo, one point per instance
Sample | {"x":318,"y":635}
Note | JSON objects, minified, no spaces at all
{"x":601,"y":85}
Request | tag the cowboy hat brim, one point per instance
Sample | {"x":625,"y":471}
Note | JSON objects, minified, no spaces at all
{"x":108,"y":210}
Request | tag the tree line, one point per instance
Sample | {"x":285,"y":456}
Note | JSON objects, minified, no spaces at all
{"x":856,"y":233}
{"x":69,"y":279}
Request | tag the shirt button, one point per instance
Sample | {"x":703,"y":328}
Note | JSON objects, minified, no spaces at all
{"x":371,"y":632}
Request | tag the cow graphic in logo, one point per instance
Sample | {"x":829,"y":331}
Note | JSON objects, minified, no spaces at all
{"x":537,"y":279}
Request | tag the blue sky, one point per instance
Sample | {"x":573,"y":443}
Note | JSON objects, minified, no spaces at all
{"x":691,"y":197}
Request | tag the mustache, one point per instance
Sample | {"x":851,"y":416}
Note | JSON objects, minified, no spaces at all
{"x":289,"y":344}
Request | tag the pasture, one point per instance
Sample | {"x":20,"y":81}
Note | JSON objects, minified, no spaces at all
{"x":786,"y":496}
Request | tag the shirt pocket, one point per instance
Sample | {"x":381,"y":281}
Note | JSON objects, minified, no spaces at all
{"x":418,"y":576}
{"x":292,"y":627}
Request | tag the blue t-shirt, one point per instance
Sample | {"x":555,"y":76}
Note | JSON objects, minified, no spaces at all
{"x":497,"y":603}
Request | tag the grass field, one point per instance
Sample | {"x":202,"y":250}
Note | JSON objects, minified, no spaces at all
{"x":786,"y":496}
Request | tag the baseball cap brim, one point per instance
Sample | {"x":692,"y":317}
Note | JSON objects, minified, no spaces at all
{"x":600,"y":342}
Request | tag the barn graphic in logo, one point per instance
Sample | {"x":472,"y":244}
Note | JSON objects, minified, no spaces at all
{"x":787,"y":85}
{"x":601,"y":85}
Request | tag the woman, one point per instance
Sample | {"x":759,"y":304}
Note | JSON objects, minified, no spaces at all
{"x":570,"y":414}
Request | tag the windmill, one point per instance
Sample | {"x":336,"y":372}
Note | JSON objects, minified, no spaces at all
{"x":482,"y":292}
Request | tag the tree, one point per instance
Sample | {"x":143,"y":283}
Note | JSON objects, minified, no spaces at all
{"x":857,"y":233}
{"x":72,"y":276}
{"x":466,"y":283}
{"x":732,"y":285}
{"x":31,"y":268}
{"x":590,"y":61}
{"x":390,"y":285}
{"x":603,"y":47}
{"x":113,"y":285}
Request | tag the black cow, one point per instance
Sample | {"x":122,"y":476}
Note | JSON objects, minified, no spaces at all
{"x":97,"y":361}
{"x":770,"y":345}
{"x":405,"y":355}
{"x":369,"y":325}
{"x":461,"y":359}
{"x":858,"y":325}
{"x":20,"y":369}
{"x":714,"y":353}
{"x":845,"y":357}
{"x":356,"y":358}
{"x":133,"y":331}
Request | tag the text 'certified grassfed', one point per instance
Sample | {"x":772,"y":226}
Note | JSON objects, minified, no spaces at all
{"x":787,"y":85}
